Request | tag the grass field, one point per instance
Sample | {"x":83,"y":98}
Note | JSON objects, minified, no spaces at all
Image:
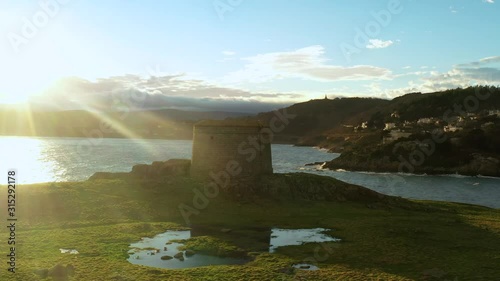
{"x":426,"y":241}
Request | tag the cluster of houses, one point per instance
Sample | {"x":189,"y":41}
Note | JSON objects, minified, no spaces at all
{"x":403,"y":129}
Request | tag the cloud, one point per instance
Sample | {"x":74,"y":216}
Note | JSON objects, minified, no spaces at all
{"x":171,"y":91}
{"x":489,"y":1}
{"x":413,"y":73}
{"x":379,"y":44}
{"x":483,"y":61}
{"x":485,"y":71}
{"x":306,"y":63}
{"x":229,"y":53}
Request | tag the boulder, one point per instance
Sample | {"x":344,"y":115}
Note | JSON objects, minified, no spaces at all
{"x":160,"y":169}
{"x":166,"y":257}
{"x":157,"y":171}
{"x":179,"y":255}
{"x":140,"y":169}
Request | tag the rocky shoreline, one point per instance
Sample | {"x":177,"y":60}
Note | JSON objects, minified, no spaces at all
{"x":302,"y":186}
{"x":478,"y":166}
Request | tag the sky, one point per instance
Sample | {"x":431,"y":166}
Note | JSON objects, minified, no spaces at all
{"x":241,"y":55}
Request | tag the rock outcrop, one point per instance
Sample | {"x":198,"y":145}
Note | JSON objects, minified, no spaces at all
{"x":479,"y":165}
{"x":157,"y":171}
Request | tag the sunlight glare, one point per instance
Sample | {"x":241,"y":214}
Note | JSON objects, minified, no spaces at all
{"x":26,"y":157}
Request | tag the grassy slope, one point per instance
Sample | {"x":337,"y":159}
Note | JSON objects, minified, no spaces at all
{"x":101,"y":218}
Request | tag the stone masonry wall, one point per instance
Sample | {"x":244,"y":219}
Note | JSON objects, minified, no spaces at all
{"x":218,"y":148}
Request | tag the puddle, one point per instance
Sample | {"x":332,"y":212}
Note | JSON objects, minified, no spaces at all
{"x":305,"y":266}
{"x":288,"y":237}
{"x":149,"y":251}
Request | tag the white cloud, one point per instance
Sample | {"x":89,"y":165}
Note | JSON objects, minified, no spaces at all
{"x":489,"y":1}
{"x":481,"y":72}
{"x":414,"y":73}
{"x":378,"y":44}
{"x":229,"y":53}
{"x":490,"y":59}
{"x":306,"y":63}
{"x":483,"y":61}
{"x":485,"y":71}
{"x":169,"y":91}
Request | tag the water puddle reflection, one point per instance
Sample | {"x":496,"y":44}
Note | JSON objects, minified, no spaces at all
{"x":163,"y":250}
{"x":305,"y":266}
{"x":289,"y":237}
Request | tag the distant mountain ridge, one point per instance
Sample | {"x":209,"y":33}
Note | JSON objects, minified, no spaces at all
{"x":330,"y":123}
{"x":163,"y":123}
{"x":315,"y":118}
{"x":322,"y":122}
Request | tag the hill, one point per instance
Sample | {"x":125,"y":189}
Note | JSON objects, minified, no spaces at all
{"x":314,"y":119}
{"x":165,"y":123}
{"x":455,"y":131}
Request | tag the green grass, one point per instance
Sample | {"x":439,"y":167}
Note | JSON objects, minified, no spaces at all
{"x":101,"y":218}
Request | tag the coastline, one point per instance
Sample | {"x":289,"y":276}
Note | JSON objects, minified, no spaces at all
{"x":465,"y":170}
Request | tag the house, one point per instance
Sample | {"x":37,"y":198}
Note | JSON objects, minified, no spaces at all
{"x":389,"y":126}
{"x":494,"y":112}
{"x":422,"y":121}
{"x":451,"y":128}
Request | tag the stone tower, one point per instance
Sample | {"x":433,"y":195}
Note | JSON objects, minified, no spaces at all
{"x":237,"y":148}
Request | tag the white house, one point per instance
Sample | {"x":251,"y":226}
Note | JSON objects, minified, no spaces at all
{"x":494,"y":112}
{"x":451,"y":128}
{"x":425,"y":121}
{"x":389,"y":126}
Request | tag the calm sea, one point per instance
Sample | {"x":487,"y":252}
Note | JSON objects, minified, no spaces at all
{"x":75,"y":159}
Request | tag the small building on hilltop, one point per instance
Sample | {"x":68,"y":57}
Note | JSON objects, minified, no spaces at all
{"x":239,"y":149}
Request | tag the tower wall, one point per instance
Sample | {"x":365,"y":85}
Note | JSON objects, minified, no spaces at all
{"x":219,"y":147}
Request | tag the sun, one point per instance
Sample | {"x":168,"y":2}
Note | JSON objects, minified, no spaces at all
{"x":30,"y":73}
